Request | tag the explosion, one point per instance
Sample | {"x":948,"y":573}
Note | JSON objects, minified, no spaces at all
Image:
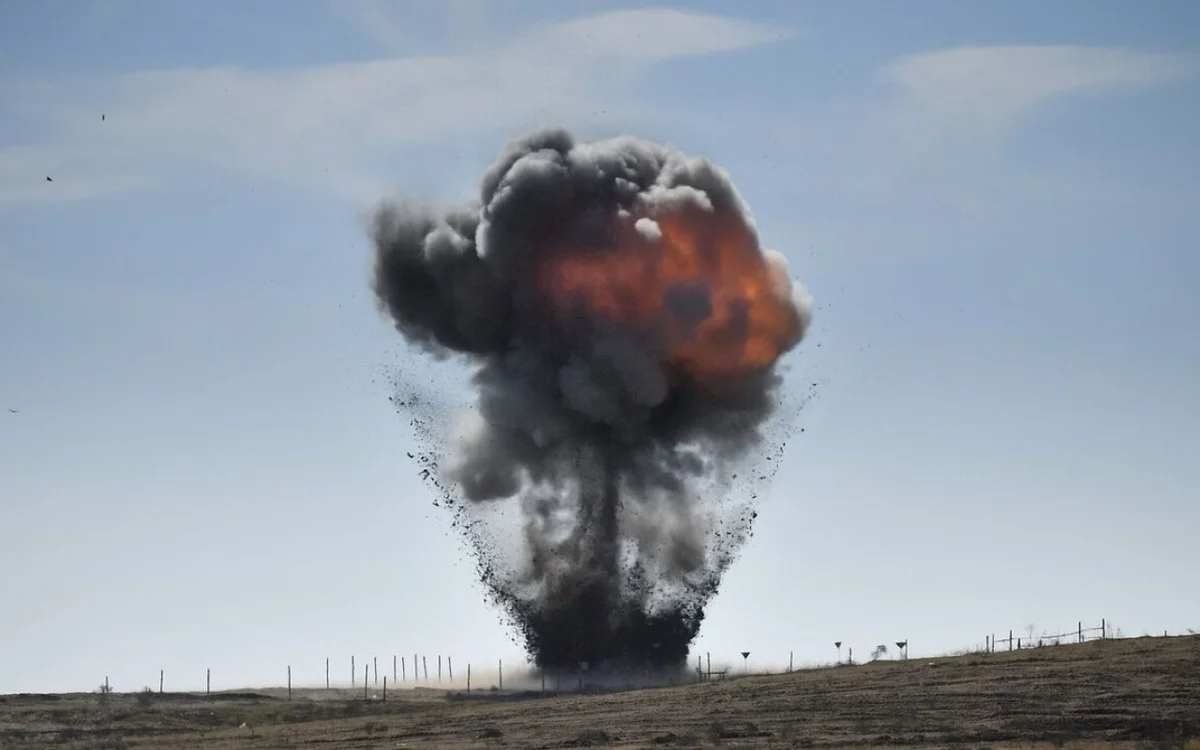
{"x":626,"y":328}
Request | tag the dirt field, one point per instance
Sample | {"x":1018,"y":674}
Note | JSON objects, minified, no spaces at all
{"x":1142,"y":693}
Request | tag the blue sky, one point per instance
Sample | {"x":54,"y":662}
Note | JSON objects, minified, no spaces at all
{"x":993,"y":203}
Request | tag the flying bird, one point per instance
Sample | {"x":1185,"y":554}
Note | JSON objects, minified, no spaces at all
{"x":48,"y":179}
{"x":13,"y":411}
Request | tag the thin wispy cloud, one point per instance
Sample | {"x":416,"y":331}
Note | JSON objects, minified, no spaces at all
{"x":986,"y":91}
{"x":408,"y":28}
{"x":940,"y":124}
{"x":327,"y":125}
{"x":648,"y":35}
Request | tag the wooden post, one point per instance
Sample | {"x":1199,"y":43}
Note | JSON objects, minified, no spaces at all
{"x":543,"y":680}
{"x":403,"y":669}
{"x":207,"y":682}
{"x":416,"y":670}
{"x":708,"y":658}
{"x":160,"y":681}
{"x":425,"y":669}
{"x":987,"y":644}
{"x":1010,"y":640}
{"x":375,"y":659}
{"x":326,"y":672}
{"x":1081,"y":631}
{"x":501,"y":663}
{"x":791,"y":655}
{"x":394,"y":673}
{"x":450,"y":668}
{"x":439,"y":667}
{"x":385,"y":688}
{"x":353,"y":671}
{"x":699,"y":668}
{"x":289,"y":682}
{"x":851,"y":660}
{"x":365,"y":676}
{"x":468,"y":679}
{"x":107,"y":689}
{"x":1103,"y":628}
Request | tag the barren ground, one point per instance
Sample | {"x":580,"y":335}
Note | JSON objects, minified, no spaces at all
{"x":1134,"y":693}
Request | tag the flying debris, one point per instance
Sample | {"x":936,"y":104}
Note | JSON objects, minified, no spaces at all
{"x":625,"y":326}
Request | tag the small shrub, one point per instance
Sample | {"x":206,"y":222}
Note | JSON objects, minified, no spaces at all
{"x":592,"y":738}
{"x":145,"y":699}
{"x":737,"y":730}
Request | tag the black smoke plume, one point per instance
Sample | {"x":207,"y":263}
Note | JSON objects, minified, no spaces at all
{"x":625,"y":327}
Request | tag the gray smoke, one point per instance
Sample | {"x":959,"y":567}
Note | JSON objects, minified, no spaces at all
{"x":615,"y":403}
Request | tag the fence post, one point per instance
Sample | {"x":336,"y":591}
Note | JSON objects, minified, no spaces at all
{"x":353,"y":671}
{"x":425,"y":669}
{"x":1010,"y":640}
{"x":1081,"y":631}
{"x":365,"y":686}
{"x":289,"y":682}
{"x":468,"y":679}
{"x":501,"y":663}
{"x":326,"y":672}
{"x":207,"y":682}
{"x":403,"y":669}
{"x":416,"y":670}
{"x":394,"y":673}
{"x":1103,"y":628}
{"x":385,"y":688}
{"x":450,"y":668}
{"x":375,"y":660}
{"x":160,"y":681}
{"x":439,"y":667}
{"x":791,"y":654}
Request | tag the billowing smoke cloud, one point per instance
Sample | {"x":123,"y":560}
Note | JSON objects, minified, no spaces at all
{"x":626,"y":327}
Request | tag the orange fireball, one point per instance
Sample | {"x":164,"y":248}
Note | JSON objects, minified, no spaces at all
{"x":692,"y":282}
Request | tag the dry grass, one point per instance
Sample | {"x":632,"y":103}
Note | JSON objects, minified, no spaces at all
{"x":1137,"y":693}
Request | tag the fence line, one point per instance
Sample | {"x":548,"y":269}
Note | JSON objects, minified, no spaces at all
{"x":703,"y":671}
{"x":1080,"y":634}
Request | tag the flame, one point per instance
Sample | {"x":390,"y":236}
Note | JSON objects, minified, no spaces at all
{"x":742,"y":315}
